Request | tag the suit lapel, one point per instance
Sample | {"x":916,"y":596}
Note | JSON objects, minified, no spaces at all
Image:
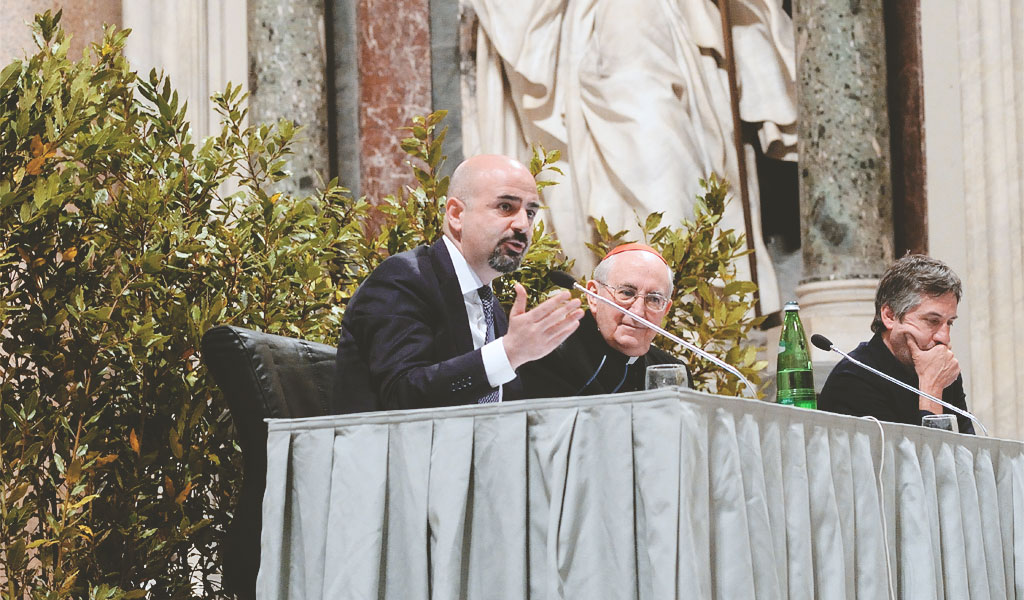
{"x":451,"y":295}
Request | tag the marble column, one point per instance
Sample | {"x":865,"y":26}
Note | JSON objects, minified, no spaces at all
{"x":343,"y":98}
{"x":974,"y":109}
{"x":200,"y":45}
{"x":287,"y":79}
{"x":394,"y":86}
{"x":446,"y":73}
{"x":845,"y":190}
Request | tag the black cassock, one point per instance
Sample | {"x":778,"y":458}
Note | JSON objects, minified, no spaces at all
{"x":584,"y":365}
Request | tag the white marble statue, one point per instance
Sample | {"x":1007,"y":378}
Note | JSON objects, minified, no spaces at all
{"x":636,"y":96}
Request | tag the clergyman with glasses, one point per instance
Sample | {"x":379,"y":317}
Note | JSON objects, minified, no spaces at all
{"x":609,"y":352}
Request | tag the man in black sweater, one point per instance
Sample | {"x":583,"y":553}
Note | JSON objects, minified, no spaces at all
{"x":610,"y":352}
{"x":915,"y":306}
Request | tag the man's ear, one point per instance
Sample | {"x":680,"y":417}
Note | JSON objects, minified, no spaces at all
{"x":593,"y":305}
{"x":888,"y":316}
{"x":453,"y":210}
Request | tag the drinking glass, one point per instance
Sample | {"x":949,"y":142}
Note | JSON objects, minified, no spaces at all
{"x":660,"y":376}
{"x":947,"y":422}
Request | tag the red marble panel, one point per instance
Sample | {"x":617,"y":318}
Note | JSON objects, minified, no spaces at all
{"x":83,"y":20}
{"x":394,"y":86}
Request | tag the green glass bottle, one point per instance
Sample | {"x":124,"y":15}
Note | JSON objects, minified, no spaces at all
{"x":794,"y":377}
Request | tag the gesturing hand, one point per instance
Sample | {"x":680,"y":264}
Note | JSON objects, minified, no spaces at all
{"x":533,"y":334}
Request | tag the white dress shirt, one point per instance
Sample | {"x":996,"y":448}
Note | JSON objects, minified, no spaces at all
{"x":499,"y":370}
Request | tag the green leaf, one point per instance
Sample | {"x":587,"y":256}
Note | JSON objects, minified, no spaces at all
{"x":17,"y":494}
{"x":82,"y":502}
{"x":15,"y":556}
{"x":9,"y":73}
{"x":152,"y":263}
{"x":652,"y":222}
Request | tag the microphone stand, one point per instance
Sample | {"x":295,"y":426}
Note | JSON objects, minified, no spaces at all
{"x":906,"y":386}
{"x":674,"y":338}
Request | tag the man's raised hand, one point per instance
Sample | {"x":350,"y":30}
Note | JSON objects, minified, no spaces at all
{"x":535,"y":333}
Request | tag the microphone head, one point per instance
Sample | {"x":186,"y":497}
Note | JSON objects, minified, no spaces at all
{"x":821,"y":341}
{"x":562,"y":279}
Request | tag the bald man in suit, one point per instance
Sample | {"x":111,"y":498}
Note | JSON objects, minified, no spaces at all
{"x":424,"y":329}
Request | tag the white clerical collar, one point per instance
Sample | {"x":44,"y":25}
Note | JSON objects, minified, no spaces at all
{"x":468,"y":279}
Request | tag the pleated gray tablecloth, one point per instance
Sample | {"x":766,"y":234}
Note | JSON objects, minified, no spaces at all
{"x":653,"y":495}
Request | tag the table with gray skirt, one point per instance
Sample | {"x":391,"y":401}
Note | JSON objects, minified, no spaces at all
{"x":650,"y":495}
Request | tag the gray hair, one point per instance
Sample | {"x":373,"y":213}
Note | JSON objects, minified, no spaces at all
{"x":908,"y":280}
{"x":605,"y":266}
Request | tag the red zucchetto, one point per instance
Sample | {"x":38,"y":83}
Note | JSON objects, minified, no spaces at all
{"x":634,"y":246}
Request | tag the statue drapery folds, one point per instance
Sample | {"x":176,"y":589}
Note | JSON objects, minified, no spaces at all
{"x":636,"y":96}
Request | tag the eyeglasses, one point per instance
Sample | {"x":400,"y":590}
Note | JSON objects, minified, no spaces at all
{"x":627,"y":294}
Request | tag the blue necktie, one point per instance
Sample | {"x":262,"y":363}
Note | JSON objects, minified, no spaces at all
{"x":487,"y":299}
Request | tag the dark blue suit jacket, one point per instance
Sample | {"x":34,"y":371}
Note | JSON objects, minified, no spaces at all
{"x":405,"y":338}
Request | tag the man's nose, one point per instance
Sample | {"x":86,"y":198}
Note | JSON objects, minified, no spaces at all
{"x":633,"y":307}
{"x":521,"y":221}
{"x":942,"y":336}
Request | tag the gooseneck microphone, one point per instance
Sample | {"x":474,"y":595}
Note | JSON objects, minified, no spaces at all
{"x":825,"y":344}
{"x":565,"y":280}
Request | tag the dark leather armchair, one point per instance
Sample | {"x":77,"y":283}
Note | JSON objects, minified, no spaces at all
{"x":262,"y":375}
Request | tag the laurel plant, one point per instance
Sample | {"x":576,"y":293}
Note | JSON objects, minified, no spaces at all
{"x":118,"y":249}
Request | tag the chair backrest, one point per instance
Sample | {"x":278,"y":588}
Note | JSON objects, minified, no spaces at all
{"x":262,"y":375}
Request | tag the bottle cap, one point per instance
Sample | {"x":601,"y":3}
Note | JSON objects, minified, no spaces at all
{"x":791,"y":305}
